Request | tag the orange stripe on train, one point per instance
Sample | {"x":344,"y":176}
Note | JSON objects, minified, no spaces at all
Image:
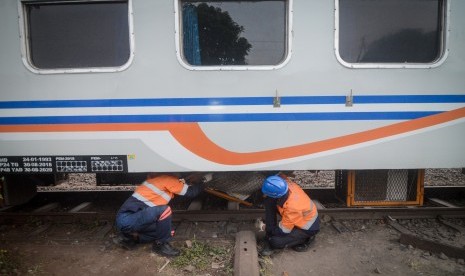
{"x":194,"y":139}
{"x":191,"y":136}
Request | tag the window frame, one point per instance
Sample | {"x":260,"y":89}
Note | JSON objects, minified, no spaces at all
{"x":25,"y":51}
{"x":444,"y":51}
{"x":186,"y":65}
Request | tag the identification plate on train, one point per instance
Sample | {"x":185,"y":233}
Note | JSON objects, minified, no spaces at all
{"x":64,"y":164}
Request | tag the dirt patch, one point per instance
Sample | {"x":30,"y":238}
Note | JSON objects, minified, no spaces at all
{"x":368,"y":248}
{"x":105,"y":258}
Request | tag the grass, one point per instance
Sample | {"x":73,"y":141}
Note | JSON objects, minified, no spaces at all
{"x":266,"y":265}
{"x":8,"y":266}
{"x":202,"y":256}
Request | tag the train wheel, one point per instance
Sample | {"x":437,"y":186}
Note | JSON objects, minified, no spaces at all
{"x":19,"y":189}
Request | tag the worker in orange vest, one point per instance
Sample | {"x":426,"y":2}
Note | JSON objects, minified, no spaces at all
{"x":299,"y":216}
{"x":146,"y":216}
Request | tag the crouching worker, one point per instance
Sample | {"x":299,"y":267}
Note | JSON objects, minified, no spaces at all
{"x":146,"y":216}
{"x":299,"y":216}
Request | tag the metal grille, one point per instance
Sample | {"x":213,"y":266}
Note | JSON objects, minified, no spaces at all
{"x":237,"y":184}
{"x":380,"y":187}
{"x":386,"y":185}
{"x":370,"y":185}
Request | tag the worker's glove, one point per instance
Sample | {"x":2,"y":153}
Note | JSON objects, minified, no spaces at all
{"x":260,"y":225}
{"x":207,"y":177}
{"x":204,"y":181}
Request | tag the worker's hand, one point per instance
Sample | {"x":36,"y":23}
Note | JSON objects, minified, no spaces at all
{"x":260,"y":225}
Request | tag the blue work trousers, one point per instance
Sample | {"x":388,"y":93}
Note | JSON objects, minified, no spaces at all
{"x":146,"y":224}
{"x":276,"y":237}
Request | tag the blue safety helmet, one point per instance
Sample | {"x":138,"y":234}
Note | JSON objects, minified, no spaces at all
{"x":274,"y":186}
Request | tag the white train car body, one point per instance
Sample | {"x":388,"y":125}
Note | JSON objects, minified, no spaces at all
{"x":322,"y":85}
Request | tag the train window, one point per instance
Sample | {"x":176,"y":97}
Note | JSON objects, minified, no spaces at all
{"x":228,"y":34}
{"x":390,"y":31}
{"x":77,"y":35}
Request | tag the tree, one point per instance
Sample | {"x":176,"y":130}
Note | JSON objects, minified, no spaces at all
{"x":219,"y":37}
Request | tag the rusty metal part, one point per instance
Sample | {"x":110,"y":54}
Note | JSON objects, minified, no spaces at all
{"x":337,"y":213}
{"x":454,"y":226}
{"x":409,"y":238}
{"x":432,"y":246}
{"x":227,"y":197}
{"x":245,"y":214}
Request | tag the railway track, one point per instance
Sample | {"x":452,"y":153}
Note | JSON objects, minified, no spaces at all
{"x":95,"y":206}
{"x":56,"y":218}
{"x":243,"y":214}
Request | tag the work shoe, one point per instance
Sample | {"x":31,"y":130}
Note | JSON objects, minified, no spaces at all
{"x":165,"y":249}
{"x":126,"y":241}
{"x":303,"y":247}
{"x":266,"y":249}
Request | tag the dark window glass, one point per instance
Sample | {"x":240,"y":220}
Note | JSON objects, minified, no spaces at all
{"x":78,"y":35}
{"x":234,"y":32}
{"x":390,"y":31}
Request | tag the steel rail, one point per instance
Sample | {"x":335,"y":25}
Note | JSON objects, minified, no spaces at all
{"x":245,"y":214}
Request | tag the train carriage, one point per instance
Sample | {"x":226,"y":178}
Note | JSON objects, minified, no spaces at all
{"x":184,"y":85}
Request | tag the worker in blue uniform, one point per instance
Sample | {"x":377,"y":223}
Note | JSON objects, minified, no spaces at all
{"x":299,"y":216}
{"x":146,"y":216}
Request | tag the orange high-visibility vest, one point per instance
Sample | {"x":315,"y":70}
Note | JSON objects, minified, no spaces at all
{"x":298,"y":210}
{"x":160,"y":190}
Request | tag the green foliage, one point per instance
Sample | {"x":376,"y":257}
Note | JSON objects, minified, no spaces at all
{"x":7,"y":264}
{"x":202,"y":255}
{"x":266,"y":265}
{"x":219,"y":37}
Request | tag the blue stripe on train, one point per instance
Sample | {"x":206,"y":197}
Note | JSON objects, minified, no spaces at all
{"x":246,"y":117}
{"x":232,"y":101}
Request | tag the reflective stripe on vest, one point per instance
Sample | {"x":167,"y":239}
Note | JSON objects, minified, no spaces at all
{"x":284,"y":229}
{"x":156,"y":191}
{"x":143,"y":199}
{"x":184,"y":190}
{"x":309,"y":224}
{"x":160,"y":190}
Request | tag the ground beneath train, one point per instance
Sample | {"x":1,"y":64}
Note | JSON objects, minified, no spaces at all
{"x":370,"y":248}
